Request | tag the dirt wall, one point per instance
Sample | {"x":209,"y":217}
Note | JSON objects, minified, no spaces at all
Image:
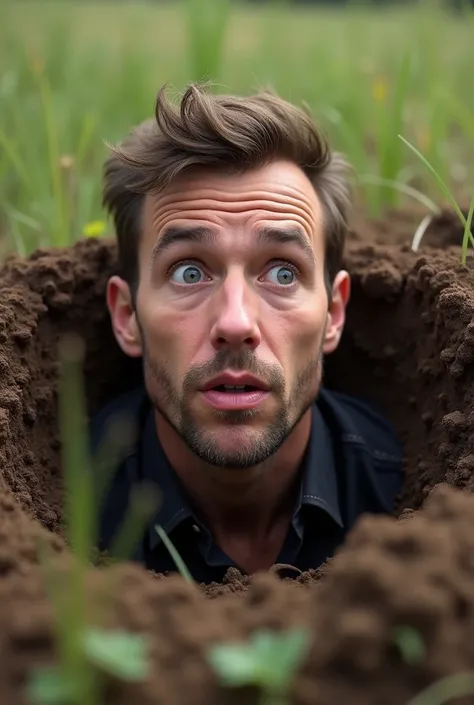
{"x":407,"y":345}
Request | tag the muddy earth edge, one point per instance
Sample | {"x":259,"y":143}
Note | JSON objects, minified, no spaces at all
{"x":407,"y":345}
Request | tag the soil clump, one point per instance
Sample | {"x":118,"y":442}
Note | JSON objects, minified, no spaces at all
{"x":408,"y":346}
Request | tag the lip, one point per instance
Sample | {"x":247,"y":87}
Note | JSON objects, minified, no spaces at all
{"x":236,"y":379}
{"x":227,"y":401}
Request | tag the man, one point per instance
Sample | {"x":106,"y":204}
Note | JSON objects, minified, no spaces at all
{"x":231,"y":216}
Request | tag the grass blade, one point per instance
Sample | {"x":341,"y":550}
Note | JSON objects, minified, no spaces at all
{"x":120,"y":434}
{"x":61,"y":225}
{"x":77,"y":490}
{"x":444,"y":690}
{"x":11,"y":152}
{"x":144,"y":502}
{"x":75,"y":455}
{"x":71,"y":599}
{"x":403,"y":188}
{"x":467,"y":232}
{"x":180,"y":564}
{"x":420,"y":231}
{"x":86,"y":137}
{"x":391,"y":158}
{"x":441,"y":184}
{"x":206,"y":25}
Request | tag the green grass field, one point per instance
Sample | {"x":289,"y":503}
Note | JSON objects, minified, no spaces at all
{"x":75,"y":74}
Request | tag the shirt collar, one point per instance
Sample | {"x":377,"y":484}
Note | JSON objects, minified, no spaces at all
{"x":319,"y":487}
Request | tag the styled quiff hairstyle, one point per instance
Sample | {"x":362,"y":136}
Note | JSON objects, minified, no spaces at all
{"x":220,"y":132}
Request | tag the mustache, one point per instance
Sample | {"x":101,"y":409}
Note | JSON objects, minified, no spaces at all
{"x":241,"y":361}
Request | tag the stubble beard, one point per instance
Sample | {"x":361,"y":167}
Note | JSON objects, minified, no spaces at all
{"x":176,"y":410}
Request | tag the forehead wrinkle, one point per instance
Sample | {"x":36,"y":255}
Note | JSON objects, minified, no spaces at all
{"x":163,"y":215}
{"x":287,"y":195}
{"x":214,"y":203}
{"x":306,"y":224}
{"x":161,"y":220}
{"x":283,"y":208}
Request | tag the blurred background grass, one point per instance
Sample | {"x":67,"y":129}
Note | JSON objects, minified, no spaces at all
{"x":73,"y":74}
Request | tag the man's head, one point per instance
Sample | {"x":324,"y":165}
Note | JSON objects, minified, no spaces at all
{"x":231,"y":216}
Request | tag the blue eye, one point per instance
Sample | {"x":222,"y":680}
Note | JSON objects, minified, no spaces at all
{"x":284,"y":275}
{"x":188,"y":274}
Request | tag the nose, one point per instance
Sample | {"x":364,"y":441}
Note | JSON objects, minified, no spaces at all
{"x":236,"y":308}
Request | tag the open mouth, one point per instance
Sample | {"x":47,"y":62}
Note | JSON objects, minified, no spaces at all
{"x":234,"y":389}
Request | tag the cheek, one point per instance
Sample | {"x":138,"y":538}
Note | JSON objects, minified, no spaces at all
{"x":303,"y":331}
{"x":169,"y":335}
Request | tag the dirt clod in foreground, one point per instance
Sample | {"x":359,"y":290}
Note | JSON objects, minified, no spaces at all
{"x":408,"y":346}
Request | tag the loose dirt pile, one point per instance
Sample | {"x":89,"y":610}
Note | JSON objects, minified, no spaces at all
{"x":409,"y":345}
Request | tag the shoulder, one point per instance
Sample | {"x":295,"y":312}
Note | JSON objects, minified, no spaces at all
{"x":361,"y":425}
{"x":123,"y":410}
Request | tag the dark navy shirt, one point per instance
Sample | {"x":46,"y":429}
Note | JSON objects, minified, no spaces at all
{"x":352,"y":465}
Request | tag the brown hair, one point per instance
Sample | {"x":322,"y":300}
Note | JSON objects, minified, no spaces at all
{"x":220,"y":132}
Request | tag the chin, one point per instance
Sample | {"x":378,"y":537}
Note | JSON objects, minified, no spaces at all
{"x":226,"y":437}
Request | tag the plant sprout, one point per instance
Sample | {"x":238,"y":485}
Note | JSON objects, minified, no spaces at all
{"x":269,"y":662}
{"x":468,"y":238}
{"x":106,"y":653}
{"x":410,"y":644}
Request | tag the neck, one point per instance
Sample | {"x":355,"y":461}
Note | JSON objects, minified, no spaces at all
{"x":239,"y":502}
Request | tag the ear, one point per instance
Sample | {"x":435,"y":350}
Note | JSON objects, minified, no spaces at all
{"x":123,"y":316}
{"x":340,"y":294}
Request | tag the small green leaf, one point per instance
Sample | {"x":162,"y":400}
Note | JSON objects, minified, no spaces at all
{"x":268,"y":661}
{"x":234,"y":664}
{"x":410,"y":643}
{"x":295,"y":646}
{"x":264,"y":644}
{"x":117,"y":653}
{"x":48,"y":686}
{"x":279,"y":654}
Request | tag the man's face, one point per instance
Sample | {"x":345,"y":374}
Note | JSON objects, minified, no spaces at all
{"x":231,"y":282}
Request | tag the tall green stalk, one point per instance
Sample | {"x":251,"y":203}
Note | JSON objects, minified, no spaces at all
{"x":61,"y":216}
{"x":206,"y":24}
{"x":468,"y":237}
{"x":79,"y":514}
{"x":85,"y":652}
{"x":390,"y":156}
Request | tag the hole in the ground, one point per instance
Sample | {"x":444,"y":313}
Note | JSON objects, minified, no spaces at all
{"x":407,"y":345}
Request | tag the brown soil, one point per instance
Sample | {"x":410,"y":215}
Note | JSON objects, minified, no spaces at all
{"x":399,"y":226}
{"x":409,"y":345}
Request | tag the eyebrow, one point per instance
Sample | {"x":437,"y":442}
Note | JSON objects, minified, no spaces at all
{"x":282,"y":236}
{"x":204,"y":236}
{"x":175,"y":235}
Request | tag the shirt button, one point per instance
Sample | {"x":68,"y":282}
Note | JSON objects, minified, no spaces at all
{"x":196,"y":528}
